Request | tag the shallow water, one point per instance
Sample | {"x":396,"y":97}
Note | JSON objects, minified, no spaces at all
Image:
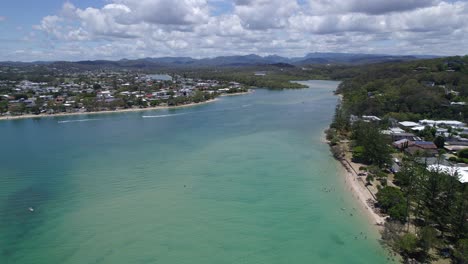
{"x":239,"y":180}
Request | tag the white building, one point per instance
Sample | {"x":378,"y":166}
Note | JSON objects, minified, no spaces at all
{"x":451,"y":123}
{"x":461,"y":171}
{"x":408,"y":124}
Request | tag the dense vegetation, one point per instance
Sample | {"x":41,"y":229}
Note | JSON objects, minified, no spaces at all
{"x":431,"y":204}
{"x":409,"y":91}
{"x":427,"y":209}
{"x":274,"y":78}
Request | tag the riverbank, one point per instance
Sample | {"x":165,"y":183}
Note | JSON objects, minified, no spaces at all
{"x":359,"y":191}
{"x":29,"y":116}
{"x":356,"y":185}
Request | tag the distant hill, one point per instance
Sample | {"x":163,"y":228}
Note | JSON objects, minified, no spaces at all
{"x":227,"y":61}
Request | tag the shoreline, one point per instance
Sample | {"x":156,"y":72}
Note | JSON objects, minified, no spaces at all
{"x":234,"y":94}
{"x":358,"y":190}
{"x":32,"y":116}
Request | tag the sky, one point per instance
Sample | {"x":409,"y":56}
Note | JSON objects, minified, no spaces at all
{"x":32,"y":30}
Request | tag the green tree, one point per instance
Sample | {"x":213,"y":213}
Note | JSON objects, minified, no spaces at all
{"x":375,"y":146}
{"x":463,"y":153}
{"x":459,"y":213}
{"x":439,"y":141}
{"x":340,"y":120}
{"x":461,"y":251}
{"x":392,"y":201}
{"x":17,"y":108}
{"x":428,"y":238}
{"x":407,"y":244}
{"x":3,"y":107}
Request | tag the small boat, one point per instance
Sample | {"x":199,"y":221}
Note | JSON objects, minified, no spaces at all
{"x":31,"y":209}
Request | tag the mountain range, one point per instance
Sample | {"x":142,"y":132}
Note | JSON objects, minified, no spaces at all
{"x":232,"y":61}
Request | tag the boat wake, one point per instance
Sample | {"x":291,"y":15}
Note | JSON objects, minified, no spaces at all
{"x":161,"y":116}
{"x":80,"y":120}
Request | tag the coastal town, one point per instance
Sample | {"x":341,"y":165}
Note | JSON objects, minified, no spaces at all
{"x":403,"y":141}
{"x":234,"y":131}
{"x":105,"y":90}
{"x":433,"y":152}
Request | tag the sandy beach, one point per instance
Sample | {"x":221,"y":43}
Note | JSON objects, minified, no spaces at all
{"x":234,"y":94}
{"x":356,"y":185}
{"x":103,"y":112}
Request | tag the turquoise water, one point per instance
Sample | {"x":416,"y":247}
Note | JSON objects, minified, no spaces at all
{"x":239,"y":180}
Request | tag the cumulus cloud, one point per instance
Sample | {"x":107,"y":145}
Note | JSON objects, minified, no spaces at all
{"x":141,"y":28}
{"x":374,"y":7}
{"x":337,"y":24}
{"x":168,"y":12}
{"x":265,"y":14}
{"x":51,"y":25}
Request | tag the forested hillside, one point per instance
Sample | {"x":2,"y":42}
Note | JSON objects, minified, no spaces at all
{"x":409,"y":90}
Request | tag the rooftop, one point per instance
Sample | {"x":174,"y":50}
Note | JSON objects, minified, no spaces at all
{"x":461,"y":171}
{"x":408,"y":124}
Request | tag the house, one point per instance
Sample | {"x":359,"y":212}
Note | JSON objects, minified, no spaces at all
{"x":408,"y":124}
{"x":185,"y":92}
{"x":441,"y":130}
{"x":400,"y":136}
{"x":451,"y":123}
{"x":234,"y":85}
{"x":425,"y":148}
{"x":371,"y":118}
{"x":396,"y":130}
{"x":104,"y":95}
{"x":454,"y":146}
{"x":403,"y":144}
{"x":418,"y":128}
{"x":223,"y":90}
{"x":46,"y":97}
{"x":163,"y":94}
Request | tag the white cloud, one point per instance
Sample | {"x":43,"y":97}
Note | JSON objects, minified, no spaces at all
{"x":265,"y":14}
{"x":51,"y":25}
{"x":167,"y":12}
{"x":368,"y":6}
{"x":338,"y":23}
{"x":132,"y":28}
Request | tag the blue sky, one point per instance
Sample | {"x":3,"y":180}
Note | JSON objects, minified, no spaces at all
{"x":115,"y":29}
